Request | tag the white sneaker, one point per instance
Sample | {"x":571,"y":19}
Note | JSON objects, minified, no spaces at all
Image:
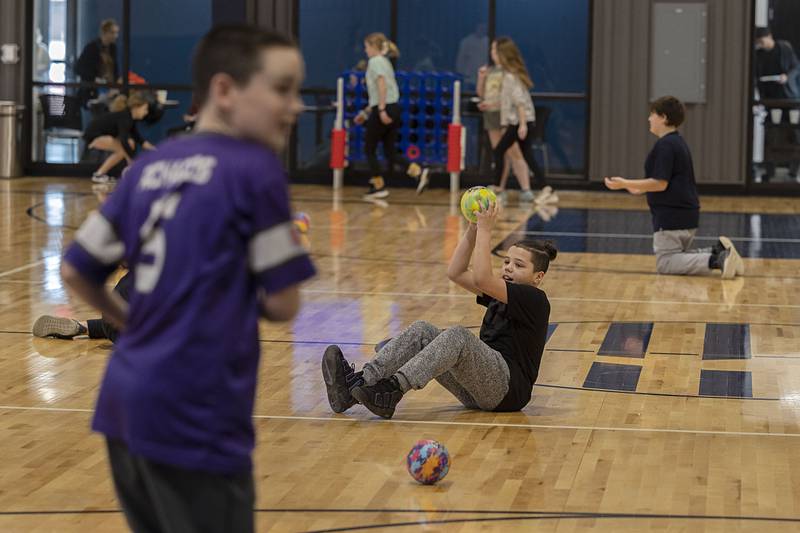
{"x":102,"y":178}
{"x":727,"y":243}
{"x":423,"y":181}
{"x":546,"y":196}
{"x":546,"y":212}
{"x":731,"y":263}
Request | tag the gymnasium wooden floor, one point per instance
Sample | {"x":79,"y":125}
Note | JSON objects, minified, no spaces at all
{"x":636,"y":424}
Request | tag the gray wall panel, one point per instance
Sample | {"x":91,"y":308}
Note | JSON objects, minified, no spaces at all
{"x":716,"y":131}
{"x":678,"y":50}
{"x":12,"y":30}
{"x":276,"y":15}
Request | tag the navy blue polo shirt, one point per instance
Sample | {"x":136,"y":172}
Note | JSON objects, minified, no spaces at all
{"x":677,"y":207}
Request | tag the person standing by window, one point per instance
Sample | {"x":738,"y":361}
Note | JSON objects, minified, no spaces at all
{"x":98,"y":60}
{"x":777,"y":66}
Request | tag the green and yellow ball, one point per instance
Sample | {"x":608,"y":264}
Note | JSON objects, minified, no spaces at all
{"x":474,"y":199}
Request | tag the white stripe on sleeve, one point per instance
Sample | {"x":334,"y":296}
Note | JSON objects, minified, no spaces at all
{"x":273,"y":247}
{"x":97,"y":236}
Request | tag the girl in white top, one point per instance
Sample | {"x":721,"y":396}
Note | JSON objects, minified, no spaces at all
{"x":489,"y":87}
{"x":382,"y":117}
{"x":518,"y":117}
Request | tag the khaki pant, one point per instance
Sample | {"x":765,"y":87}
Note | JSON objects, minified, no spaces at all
{"x":674,"y":255}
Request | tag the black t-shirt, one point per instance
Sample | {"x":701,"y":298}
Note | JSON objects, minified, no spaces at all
{"x":677,"y":207}
{"x":119,"y":124}
{"x":780,"y":60}
{"x":91,"y":65}
{"x":518,"y":330}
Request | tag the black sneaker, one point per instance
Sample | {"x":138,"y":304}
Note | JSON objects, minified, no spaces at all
{"x":381,"y":398}
{"x":339,"y":378}
{"x":58,"y":327}
{"x":375,"y":193}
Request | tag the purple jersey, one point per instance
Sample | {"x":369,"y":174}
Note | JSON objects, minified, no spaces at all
{"x":203,"y":223}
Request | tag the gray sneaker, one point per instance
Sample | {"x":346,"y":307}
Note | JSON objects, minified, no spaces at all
{"x":58,"y":327}
{"x":526,"y":196}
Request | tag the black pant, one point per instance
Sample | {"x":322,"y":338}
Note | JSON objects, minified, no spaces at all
{"x":99,"y":328}
{"x":161,"y":498}
{"x":377,"y":131}
{"x":526,"y":145}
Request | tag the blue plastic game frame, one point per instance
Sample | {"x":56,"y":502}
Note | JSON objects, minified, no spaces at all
{"x":426,"y":108}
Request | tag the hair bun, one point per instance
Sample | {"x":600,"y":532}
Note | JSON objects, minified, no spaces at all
{"x":550,"y":249}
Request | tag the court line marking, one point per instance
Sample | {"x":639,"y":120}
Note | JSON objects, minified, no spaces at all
{"x":560,"y":350}
{"x":710,"y":238}
{"x":566,"y":515}
{"x":26,"y":267}
{"x":564,"y":204}
{"x":530,"y":517}
{"x":46,"y":409}
{"x":557,"y":268}
{"x":552,"y":299}
{"x":553,"y":268}
{"x":556,"y":322}
{"x":453,"y":423}
{"x":509,"y":514}
{"x":650,"y":236}
{"x":661,"y":394}
{"x":530,"y":426}
{"x":29,"y":211}
{"x":34,"y":216}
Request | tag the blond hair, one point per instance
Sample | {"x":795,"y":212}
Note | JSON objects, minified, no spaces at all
{"x":382,"y":43}
{"x":122,"y":102}
{"x":107,"y":25}
{"x":511,"y":60}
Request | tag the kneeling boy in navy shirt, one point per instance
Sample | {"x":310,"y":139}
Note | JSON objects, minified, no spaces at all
{"x":672,"y":196}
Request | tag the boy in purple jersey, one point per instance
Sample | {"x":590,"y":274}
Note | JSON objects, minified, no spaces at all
{"x":205,"y":226}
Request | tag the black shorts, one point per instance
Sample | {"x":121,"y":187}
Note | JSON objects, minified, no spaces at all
{"x":157,"y":497}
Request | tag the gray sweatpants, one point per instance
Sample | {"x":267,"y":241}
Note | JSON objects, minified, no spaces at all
{"x":463,"y":364}
{"x":674,"y":255}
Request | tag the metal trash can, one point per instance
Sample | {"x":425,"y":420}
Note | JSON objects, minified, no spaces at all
{"x":9,"y":146}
